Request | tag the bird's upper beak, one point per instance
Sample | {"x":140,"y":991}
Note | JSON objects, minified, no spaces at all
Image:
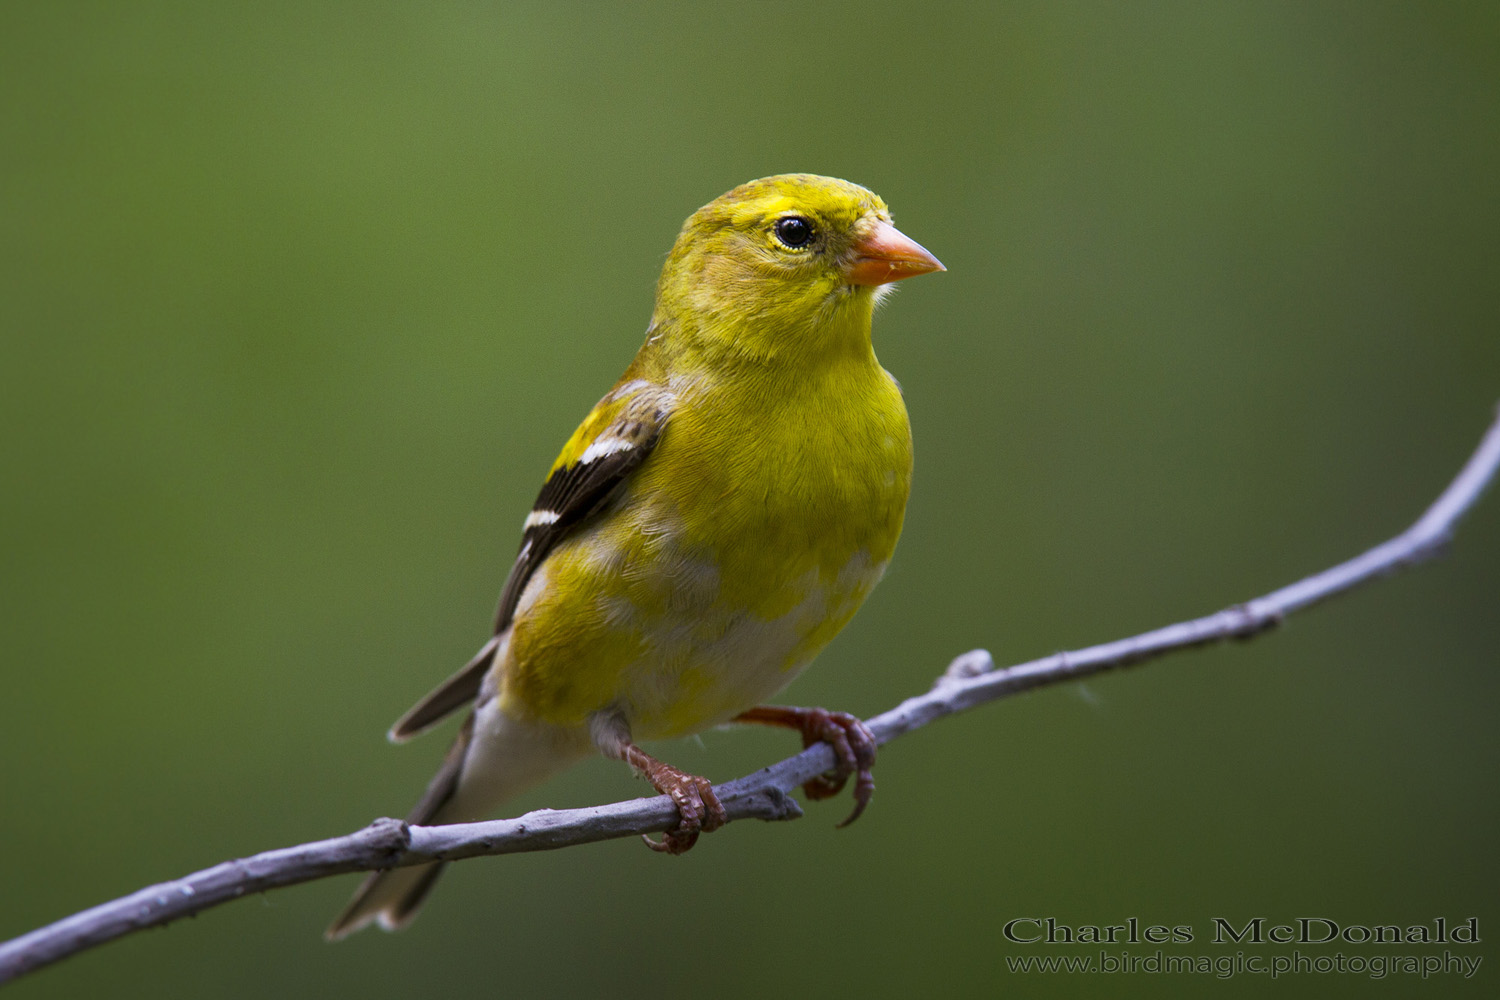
{"x":886,"y":254}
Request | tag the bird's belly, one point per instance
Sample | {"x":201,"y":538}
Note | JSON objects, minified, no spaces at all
{"x":668,"y":633}
{"x":721,"y":658}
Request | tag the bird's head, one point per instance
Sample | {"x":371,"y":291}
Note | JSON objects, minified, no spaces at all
{"x":783,"y":266}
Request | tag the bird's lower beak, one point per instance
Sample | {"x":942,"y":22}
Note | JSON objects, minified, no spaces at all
{"x":887,"y":254}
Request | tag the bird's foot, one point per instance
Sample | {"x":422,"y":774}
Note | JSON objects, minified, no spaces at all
{"x":698,"y":808}
{"x":852,"y":742}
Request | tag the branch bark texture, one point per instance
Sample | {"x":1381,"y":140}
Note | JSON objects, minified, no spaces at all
{"x":969,"y":681}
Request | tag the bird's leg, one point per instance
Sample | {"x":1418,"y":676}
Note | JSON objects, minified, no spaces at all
{"x":697,"y":805}
{"x":698,"y":808}
{"x":852,"y":742}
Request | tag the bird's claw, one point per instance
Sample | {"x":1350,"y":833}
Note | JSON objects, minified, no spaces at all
{"x":854,"y":754}
{"x":852,"y":743}
{"x":698,"y":808}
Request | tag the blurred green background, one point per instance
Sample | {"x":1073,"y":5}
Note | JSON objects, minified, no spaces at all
{"x":298,"y":303}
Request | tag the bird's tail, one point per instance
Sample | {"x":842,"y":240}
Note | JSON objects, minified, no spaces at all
{"x":494,"y":758}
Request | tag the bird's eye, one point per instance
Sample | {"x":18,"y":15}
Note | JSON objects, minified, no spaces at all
{"x":794,"y":231}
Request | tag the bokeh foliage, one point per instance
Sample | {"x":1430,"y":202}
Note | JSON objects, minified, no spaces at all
{"x":297,"y":301}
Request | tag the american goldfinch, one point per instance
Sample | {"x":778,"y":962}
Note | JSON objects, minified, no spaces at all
{"x":714,"y":521}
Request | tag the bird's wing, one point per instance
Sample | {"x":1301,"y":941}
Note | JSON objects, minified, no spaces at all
{"x":610,"y":444}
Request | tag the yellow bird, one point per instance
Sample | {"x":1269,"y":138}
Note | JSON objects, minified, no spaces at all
{"x":715,"y":520}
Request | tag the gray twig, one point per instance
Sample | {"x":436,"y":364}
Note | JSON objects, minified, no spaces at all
{"x":969,"y":681}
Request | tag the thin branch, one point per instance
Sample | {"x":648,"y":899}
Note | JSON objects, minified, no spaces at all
{"x":969,"y":681}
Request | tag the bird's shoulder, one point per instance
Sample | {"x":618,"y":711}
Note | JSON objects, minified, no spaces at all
{"x":629,"y":418}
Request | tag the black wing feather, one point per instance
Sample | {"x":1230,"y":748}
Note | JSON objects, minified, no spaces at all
{"x":573,"y":493}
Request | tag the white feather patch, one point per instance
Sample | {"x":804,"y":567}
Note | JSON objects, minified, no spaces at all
{"x":602,"y":447}
{"x":540,"y":517}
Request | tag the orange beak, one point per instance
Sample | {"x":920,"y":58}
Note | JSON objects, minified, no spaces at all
{"x":887,"y":255}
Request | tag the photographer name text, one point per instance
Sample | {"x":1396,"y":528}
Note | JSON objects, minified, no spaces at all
{"x":1242,"y":931}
